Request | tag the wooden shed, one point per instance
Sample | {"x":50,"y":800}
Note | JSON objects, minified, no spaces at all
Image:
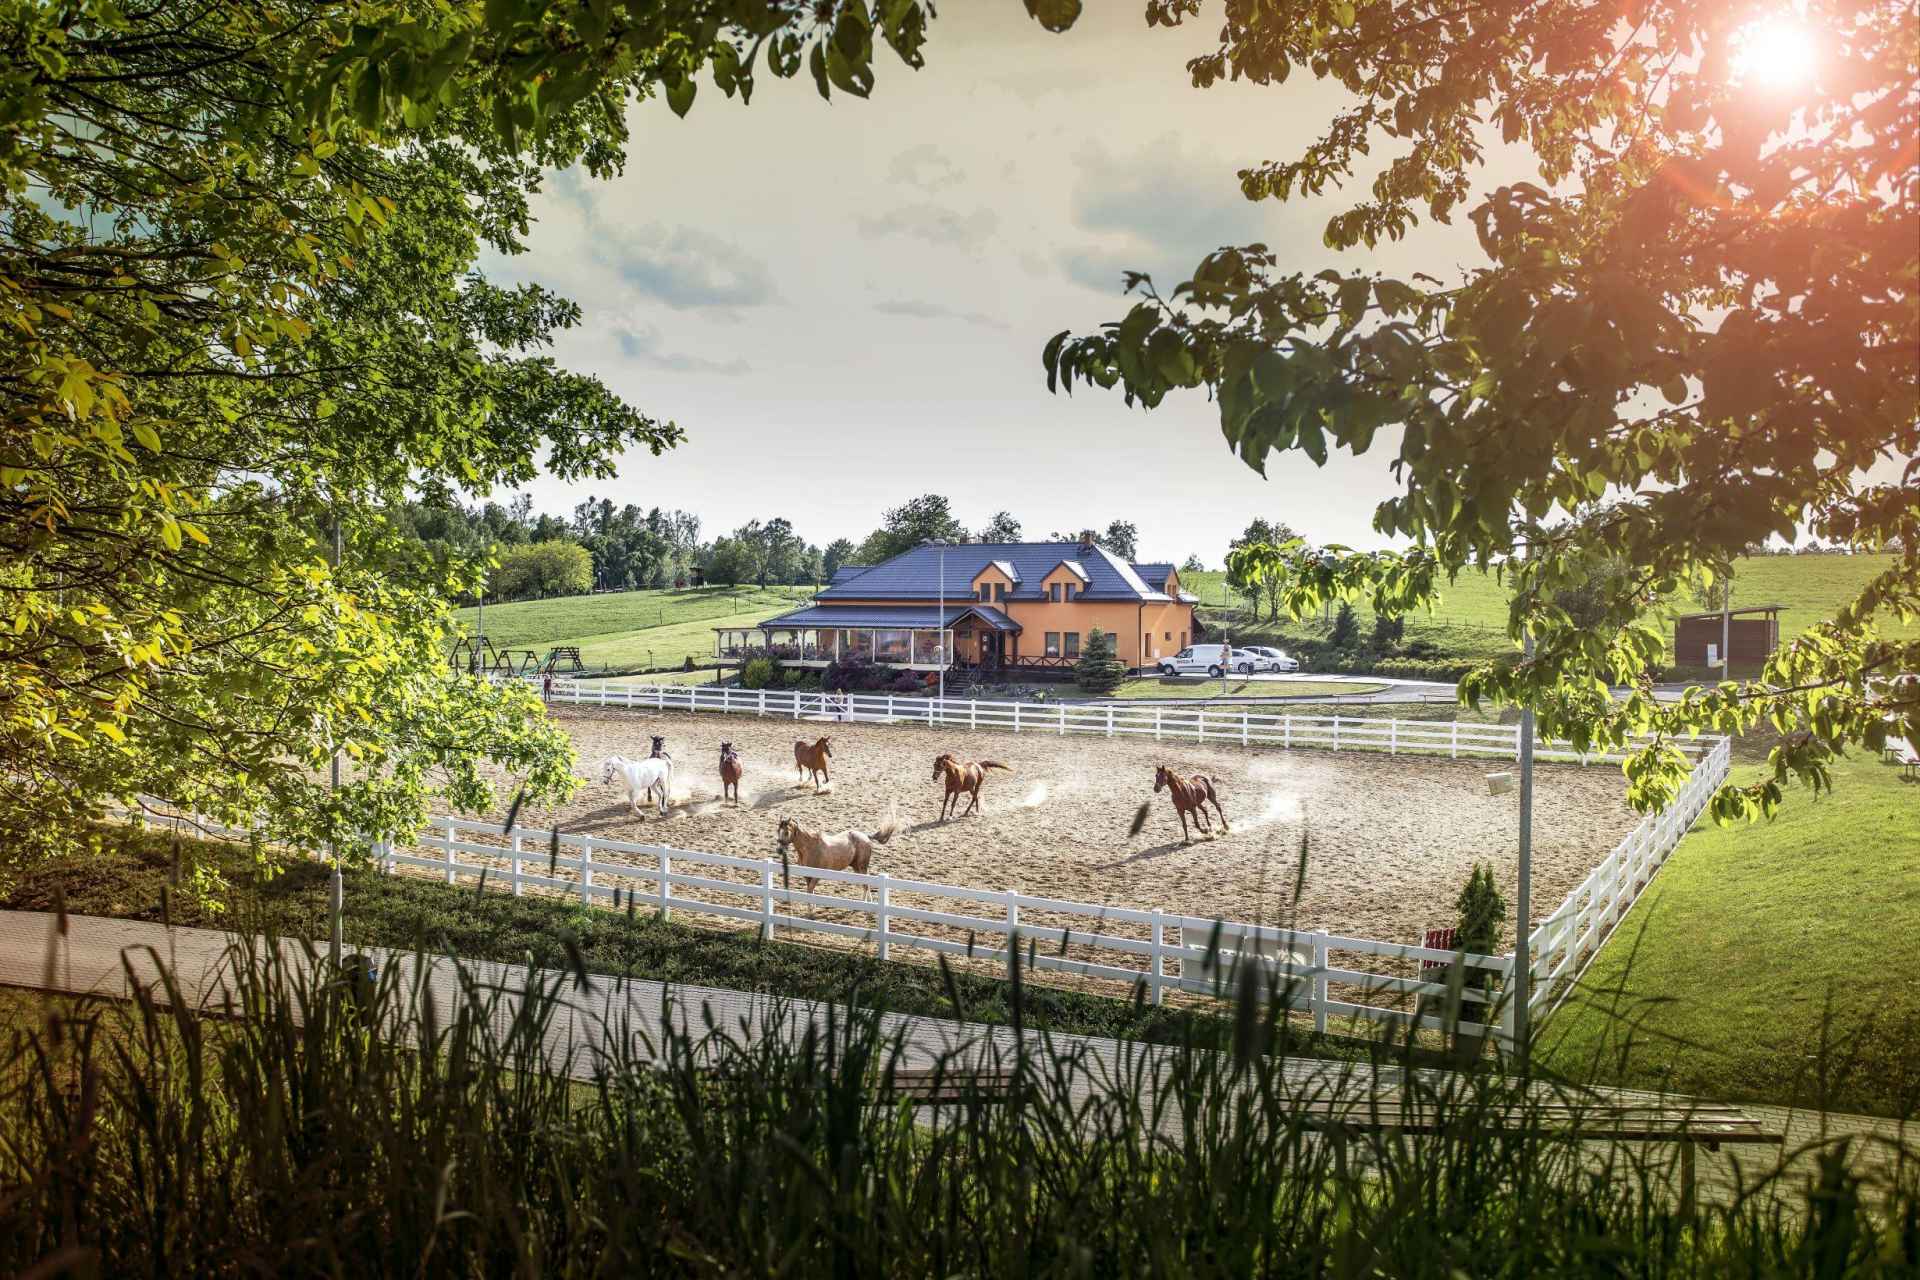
{"x":1753,"y":633}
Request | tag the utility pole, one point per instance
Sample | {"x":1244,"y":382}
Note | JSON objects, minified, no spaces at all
{"x":1522,"y":950}
{"x":1726,"y":625}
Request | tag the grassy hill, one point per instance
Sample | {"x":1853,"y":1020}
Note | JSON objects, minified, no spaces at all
{"x":1470,"y":621}
{"x":630,"y":629}
{"x":1778,"y":962}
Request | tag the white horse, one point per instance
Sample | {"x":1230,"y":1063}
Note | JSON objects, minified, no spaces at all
{"x":651,"y":778}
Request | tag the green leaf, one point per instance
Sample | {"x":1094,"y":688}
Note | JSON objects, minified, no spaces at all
{"x":680,"y":95}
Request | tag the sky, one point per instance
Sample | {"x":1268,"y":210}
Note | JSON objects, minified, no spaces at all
{"x":843,"y":304}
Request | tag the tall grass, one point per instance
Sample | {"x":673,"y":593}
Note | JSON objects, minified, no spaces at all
{"x":297,"y":1127}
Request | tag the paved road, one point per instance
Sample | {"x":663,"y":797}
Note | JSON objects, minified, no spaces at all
{"x":105,"y":957}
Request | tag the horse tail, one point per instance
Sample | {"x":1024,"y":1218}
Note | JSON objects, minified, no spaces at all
{"x":995,"y":764}
{"x":892,"y":828}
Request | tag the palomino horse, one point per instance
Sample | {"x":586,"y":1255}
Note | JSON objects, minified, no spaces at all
{"x":835,"y":852}
{"x":730,"y":772}
{"x":963,"y":778}
{"x":1190,"y":794}
{"x":813,"y":759}
{"x":651,"y":778}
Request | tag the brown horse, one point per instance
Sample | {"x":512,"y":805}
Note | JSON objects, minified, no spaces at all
{"x":1190,"y":794}
{"x":730,"y":772}
{"x":963,"y":778}
{"x":813,"y":759}
{"x":839,"y":852}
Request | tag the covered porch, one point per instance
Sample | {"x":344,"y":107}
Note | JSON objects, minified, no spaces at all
{"x":910,"y":638}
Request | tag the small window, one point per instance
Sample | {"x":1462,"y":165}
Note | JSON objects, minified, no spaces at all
{"x":1053,"y":644}
{"x":1168,"y":636}
{"x":999,"y":591}
{"x":986,"y":593}
{"x":1073,"y":644}
{"x":1053,"y":592}
{"x":1066,"y":590}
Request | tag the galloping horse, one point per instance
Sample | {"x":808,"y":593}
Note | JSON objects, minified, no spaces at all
{"x":730,"y":772}
{"x":650,"y":778}
{"x":963,"y":778}
{"x":835,"y":852}
{"x":813,"y":758}
{"x":1190,"y":794}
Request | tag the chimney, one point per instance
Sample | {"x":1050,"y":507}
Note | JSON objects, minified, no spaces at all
{"x":1086,"y":542}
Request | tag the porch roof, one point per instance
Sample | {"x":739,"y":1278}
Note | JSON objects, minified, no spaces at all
{"x":884,"y":617}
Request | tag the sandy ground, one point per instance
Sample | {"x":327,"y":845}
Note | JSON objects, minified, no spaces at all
{"x":1389,"y":839}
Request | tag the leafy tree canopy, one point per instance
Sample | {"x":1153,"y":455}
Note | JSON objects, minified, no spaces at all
{"x":908,"y":525}
{"x":239,"y":285}
{"x":1703,"y":312}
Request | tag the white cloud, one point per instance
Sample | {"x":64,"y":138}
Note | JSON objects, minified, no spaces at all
{"x":927,"y":167}
{"x":935,"y":224}
{"x":641,"y":346}
{"x":919,"y":309}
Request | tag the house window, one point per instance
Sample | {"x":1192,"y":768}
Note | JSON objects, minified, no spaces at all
{"x":1169,"y":636}
{"x":999,"y":591}
{"x":986,"y":593}
{"x":1053,"y":592}
{"x":1183,"y":639}
{"x":1053,"y":644}
{"x":1073,"y":644}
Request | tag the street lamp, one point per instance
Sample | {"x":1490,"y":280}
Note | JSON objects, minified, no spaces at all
{"x":940,"y":619}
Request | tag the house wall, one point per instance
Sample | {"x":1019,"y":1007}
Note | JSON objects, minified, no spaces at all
{"x":1160,"y":626}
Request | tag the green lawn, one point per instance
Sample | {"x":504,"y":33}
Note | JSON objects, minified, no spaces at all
{"x":1470,"y":620}
{"x":1778,"y":962}
{"x":628,"y":629}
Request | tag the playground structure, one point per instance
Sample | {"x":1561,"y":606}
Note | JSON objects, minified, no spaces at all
{"x":477,"y":655}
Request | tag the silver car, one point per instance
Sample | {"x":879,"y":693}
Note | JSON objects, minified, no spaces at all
{"x":1274,"y":659}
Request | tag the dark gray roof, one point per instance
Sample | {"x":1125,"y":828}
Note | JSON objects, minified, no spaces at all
{"x":846,"y":571}
{"x":925,"y":617}
{"x":1154,"y":572}
{"x":916,"y":574}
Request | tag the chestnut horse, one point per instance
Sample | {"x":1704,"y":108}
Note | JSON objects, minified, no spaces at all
{"x":813,"y":759}
{"x":963,"y":778}
{"x":730,"y":772}
{"x":839,"y":852}
{"x":1190,"y":794}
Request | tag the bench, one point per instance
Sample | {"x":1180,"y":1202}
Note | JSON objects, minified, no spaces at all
{"x":1899,"y":751}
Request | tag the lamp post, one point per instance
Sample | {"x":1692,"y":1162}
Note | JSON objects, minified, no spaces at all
{"x":1522,"y":944}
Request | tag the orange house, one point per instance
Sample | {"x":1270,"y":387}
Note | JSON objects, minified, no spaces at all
{"x":1005,"y":606}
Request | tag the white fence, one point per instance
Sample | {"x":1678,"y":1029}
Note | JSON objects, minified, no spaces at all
{"x":1241,"y":724}
{"x":1170,"y":952}
{"x":1560,"y":948}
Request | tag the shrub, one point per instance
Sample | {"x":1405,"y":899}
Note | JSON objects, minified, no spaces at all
{"x":759,"y":673}
{"x":540,"y":570}
{"x":906,"y":682}
{"x":1387,"y":632}
{"x":1346,"y":628}
{"x":796,"y":677}
{"x":1098,"y":670}
{"x":1482,"y":912}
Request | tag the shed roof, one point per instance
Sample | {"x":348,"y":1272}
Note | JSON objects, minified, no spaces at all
{"x":1732,"y":613}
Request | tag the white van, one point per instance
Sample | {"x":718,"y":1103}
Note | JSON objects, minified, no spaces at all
{"x":1193,"y":659}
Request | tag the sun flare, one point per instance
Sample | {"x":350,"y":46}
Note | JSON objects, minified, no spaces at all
{"x":1774,"y":51}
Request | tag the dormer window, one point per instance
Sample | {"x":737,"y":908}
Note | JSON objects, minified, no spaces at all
{"x":1000,"y":591}
{"x":986,"y":593}
{"x":1053,"y":592}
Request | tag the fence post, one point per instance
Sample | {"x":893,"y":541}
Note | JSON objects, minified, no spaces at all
{"x":1454,"y":744}
{"x":660,"y":697}
{"x":1016,"y":717}
{"x":1286,"y":733}
{"x":1109,"y":720}
{"x":973,"y":713}
{"x":1156,"y":721}
{"x":1200,"y":723}
{"x":1317,"y":989}
{"x":586,"y":870}
{"x":1393,"y":737}
{"x":766,"y":902}
{"x":889,"y":706}
{"x":449,"y":828}
{"x":516,"y":866}
{"x":1158,"y":969}
{"x":1243,"y":726}
{"x":1516,"y":742}
{"x":666,"y":885}
{"x":880,"y":912}
{"x":1013,"y":923}
{"x":1336,"y":733}
{"x":1063,"y":719}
